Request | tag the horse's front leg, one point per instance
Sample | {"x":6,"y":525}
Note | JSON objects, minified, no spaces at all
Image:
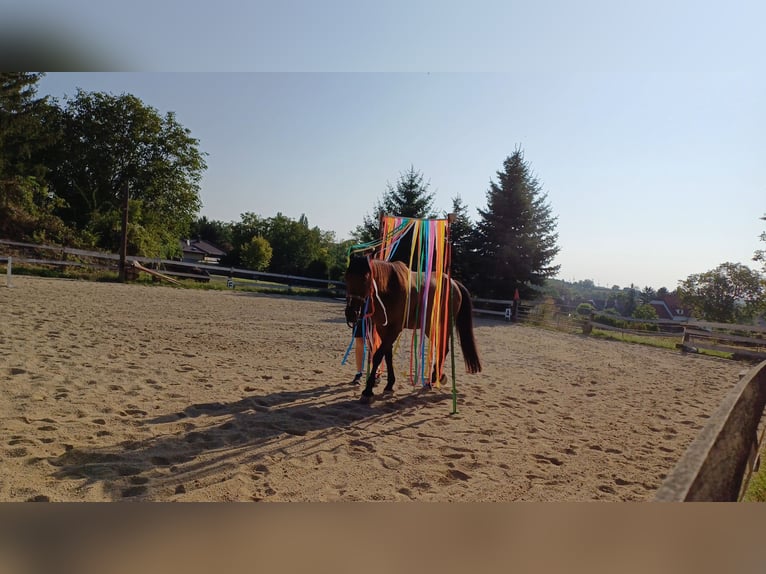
{"x":367,"y":394}
{"x":390,"y":370}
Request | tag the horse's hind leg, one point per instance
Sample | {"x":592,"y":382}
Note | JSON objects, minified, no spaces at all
{"x":390,"y":370}
{"x":443,"y":358}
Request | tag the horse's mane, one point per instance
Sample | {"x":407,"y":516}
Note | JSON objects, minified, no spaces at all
{"x":389,"y":274}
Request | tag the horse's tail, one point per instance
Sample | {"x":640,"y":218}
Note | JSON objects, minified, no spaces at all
{"x":464,"y":322}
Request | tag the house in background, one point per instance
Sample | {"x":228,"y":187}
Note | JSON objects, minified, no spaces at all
{"x":669,"y":307}
{"x":200,"y":251}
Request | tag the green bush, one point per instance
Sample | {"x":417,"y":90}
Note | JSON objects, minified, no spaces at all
{"x":609,"y":319}
{"x":613,"y":321}
{"x":585,"y":309}
{"x":645,"y":312}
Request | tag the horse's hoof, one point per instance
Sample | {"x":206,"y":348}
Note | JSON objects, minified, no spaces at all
{"x":367,"y":399}
{"x":387,"y":392}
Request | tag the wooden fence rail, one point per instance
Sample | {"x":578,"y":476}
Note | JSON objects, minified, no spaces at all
{"x":717,"y":465}
{"x":152,"y":261}
{"x":493,"y":307}
{"x":742,"y":341}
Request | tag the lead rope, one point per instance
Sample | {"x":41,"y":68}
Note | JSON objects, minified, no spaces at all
{"x":382,"y":306}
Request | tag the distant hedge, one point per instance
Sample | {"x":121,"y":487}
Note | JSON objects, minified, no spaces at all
{"x":623,"y":324}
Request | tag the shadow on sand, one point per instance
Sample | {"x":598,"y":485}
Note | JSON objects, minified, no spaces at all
{"x":217,"y":437}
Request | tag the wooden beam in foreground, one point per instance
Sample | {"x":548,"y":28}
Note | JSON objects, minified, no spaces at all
{"x":140,"y":267}
{"x":715,"y":466}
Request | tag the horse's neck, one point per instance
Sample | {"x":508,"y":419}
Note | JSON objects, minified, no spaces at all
{"x":394,"y":278}
{"x":417,"y":280}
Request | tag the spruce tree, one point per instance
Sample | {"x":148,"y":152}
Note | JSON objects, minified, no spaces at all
{"x":461,"y":231}
{"x":21,"y":124}
{"x":27,"y":133}
{"x":515,"y":238}
{"x":410,"y":197}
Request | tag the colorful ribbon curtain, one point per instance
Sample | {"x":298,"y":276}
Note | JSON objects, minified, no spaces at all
{"x":428,"y":241}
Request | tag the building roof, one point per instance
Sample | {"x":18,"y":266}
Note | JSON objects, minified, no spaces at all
{"x":669,"y":307}
{"x":201,"y":246}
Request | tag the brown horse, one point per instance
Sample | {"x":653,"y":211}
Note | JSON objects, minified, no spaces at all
{"x":387,"y":284}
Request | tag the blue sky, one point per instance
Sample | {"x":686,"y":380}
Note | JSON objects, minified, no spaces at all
{"x":644,"y":123}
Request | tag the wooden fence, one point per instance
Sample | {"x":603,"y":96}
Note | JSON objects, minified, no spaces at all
{"x":80,"y":258}
{"x":70,"y":257}
{"x":742,"y":341}
{"x":717,"y":466}
{"x":500,"y":308}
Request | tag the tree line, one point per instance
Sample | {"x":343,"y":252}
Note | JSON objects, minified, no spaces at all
{"x":65,"y":162}
{"x":510,"y":247}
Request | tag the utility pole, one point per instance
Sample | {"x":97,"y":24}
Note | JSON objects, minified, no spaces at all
{"x":124,"y":235}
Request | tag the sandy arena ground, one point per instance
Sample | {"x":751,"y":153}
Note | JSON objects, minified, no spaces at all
{"x":133,"y":392}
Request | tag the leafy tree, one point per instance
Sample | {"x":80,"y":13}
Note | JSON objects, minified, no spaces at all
{"x":317,"y":269}
{"x":216,"y":232}
{"x":330,"y":262}
{"x":645,"y":311}
{"x":294,"y":244}
{"x":256,"y":254}
{"x":338,"y":258}
{"x":730,"y":293}
{"x":560,"y":290}
{"x":296,"y":248}
{"x":409,"y":198}
{"x":662,"y":292}
{"x":515,"y":238}
{"x":760,"y":255}
{"x":242,"y":232}
{"x":109,"y":141}
{"x":27,"y":212}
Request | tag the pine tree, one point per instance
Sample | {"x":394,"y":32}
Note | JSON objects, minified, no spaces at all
{"x":461,"y":232}
{"x":515,"y":239}
{"x":27,"y":132}
{"x":409,"y":198}
{"x":21,"y":124}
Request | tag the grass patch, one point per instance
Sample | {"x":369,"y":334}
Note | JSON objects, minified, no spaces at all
{"x":660,"y":342}
{"x":756,"y":489}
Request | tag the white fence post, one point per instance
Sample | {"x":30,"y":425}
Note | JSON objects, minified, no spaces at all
{"x":9,"y":273}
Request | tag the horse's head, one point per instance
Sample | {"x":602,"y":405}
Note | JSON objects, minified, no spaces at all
{"x":358,"y":287}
